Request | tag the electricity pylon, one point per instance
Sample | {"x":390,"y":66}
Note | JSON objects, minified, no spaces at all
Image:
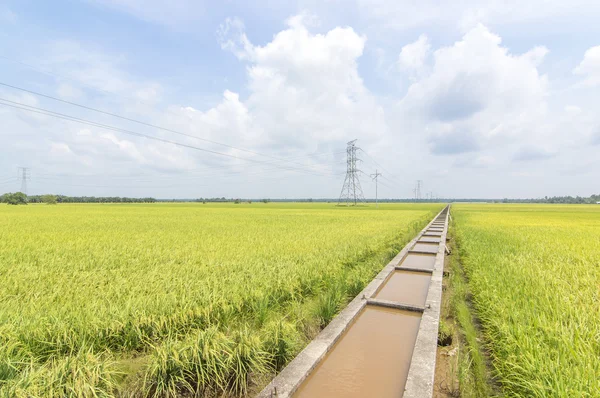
{"x":351,"y":190}
{"x":24,"y":175}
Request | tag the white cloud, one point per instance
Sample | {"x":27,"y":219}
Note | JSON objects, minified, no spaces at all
{"x":589,"y":67}
{"x":60,"y":148}
{"x":413,"y":55}
{"x":477,"y":91}
{"x":306,"y":87}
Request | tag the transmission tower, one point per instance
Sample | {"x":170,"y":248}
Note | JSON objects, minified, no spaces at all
{"x":24,"y":175}
{"x":351,"y":190}
{"x":375,"y":177}
{"x":417,"y":190}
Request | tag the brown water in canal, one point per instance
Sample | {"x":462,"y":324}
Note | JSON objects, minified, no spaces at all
{"x":426,"y":247}
{"x":406,"y":287}
{"x":371,"y":359}
{"x":414,"y":260}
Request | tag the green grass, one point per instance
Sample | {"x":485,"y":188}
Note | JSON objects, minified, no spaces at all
{"x":534,"y":275}
{"x":170,"y":299}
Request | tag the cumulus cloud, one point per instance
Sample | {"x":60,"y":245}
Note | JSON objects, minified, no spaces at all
{"x":589,"y":68}
{"x":306,"y":86}
{"x":476,"y":91}
{"x":412,"y":56}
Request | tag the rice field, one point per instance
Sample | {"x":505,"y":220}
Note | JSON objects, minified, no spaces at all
{"x":178,"y":299}
{"x":534,"y":273}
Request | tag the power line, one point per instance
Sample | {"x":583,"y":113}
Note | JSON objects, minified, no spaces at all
{"x":190,"y":173}
{"x":377,"y":163}
{"x":63,"y":116}
{"x":142,"y":122}
{"x":9,"y":181}
{"x":187,"y":177}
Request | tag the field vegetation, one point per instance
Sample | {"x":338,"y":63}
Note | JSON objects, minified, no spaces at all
{"x":178,"y":299}
{"x":532,"y":274}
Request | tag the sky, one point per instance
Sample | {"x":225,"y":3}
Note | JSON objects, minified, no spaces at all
{"x":195,"y":98}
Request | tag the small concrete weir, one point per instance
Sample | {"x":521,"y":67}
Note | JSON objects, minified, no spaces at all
{"x":383,"y":344}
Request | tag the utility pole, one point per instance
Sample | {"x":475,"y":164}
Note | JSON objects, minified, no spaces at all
{"x":351,"y":190}
{"x":374,"y":177}
{"x":24,"y":175}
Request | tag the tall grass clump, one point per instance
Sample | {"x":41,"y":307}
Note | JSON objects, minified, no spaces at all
{"x":80,"y":374}
{"x":210,"y":364}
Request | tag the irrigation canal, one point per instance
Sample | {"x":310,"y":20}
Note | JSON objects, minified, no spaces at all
{"x":383,"y":344}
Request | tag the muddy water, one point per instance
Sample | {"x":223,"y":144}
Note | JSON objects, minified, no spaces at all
{"x":413,"y":260}
{"x":426,"y":247}
{"x":406,"y":287}
{"x":430,"y":239}
{"x":371,"y":359}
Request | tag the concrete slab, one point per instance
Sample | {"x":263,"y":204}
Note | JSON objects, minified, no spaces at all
{"x":393,"y":304}
{"x":415,"y":269}
{"x":421,"y":375}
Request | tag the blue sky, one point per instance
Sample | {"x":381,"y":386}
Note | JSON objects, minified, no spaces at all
{"x":481,"y":99}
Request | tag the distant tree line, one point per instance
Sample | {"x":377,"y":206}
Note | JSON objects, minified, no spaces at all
{"x":221,"y":200}
{"x":21,"y":198}
{"x":558,"y":199}
{"x":94,"y":199}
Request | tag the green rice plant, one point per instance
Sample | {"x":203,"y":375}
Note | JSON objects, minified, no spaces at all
{"x":13,"y":360}
{"x":81,"y":374}
{"x":329,"y":303}
{"x":142,"y":281}
{"x":281,"y":342}
{"x":188,"y":367}
{"x":247,"y":357}
{"x":534,"y":272}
